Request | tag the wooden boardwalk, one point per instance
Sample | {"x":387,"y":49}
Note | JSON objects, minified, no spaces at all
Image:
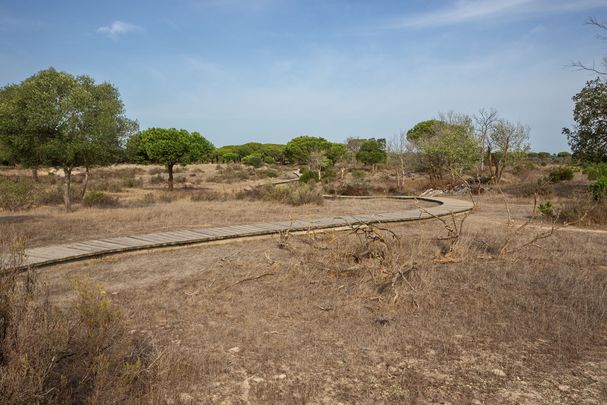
{"x":48,"y":255}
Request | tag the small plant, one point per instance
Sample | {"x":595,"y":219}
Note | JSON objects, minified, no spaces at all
{"x":132,"y":182}
{"x":598,"y":189}
{"x":561,"y":173}
{"x":546,"y":209}
{"x":100,"y":200}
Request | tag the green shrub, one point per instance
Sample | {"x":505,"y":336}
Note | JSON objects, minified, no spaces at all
{"x":560,"y":173}
{"x":17,"y":194}
{"x":100,"y":200}
{"x":252,"y":160}
{"x":308,"y":176}
{"x":596,"y":171}
{"x":230,"y":157}
{"x":598,"y":189}
{"x":132,"y":182}
{"x":546,"y":209}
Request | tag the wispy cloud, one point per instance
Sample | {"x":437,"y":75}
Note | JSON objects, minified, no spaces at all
{"x":463,"y":11}
{"x":118,"y":28}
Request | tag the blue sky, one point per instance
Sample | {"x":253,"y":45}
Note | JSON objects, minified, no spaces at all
{"x":269,"y":70}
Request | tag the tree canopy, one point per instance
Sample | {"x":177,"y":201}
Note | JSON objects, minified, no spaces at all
{"x":588,"y":138}
{"x":445,"y":145}
{"x":169,"y":147}
{"x":62,"y":120}
{"x":299,"y":149}
{"x":372,"y":151}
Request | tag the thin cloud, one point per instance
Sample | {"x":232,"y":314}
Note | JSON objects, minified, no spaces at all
{"x":463,"y":11}
{"x":118,"y":28}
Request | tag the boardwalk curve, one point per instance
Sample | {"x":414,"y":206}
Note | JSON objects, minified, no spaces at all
{"x":48,"y":255}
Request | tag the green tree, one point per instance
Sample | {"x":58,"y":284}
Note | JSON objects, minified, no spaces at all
{"x":588,"y":139}
{"x":169,"y":147}
{"x":422,"y":130}
{"x":63,"y":120}
{"x":31,"y":113}
{"x":298,"y":149}
{"x":372,"y":152}
{"x":446,"y":145}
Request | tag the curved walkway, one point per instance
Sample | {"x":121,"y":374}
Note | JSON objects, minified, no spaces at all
{"x":44,"y":256}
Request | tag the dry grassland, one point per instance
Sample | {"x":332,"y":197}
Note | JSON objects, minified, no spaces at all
{"x":382,"y":316}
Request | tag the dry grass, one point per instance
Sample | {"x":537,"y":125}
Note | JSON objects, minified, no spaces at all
{"x":45,"y":226}
{"x":329,"y":318}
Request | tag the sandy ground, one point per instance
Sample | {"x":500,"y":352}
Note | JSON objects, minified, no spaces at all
{"x":304,"y":332}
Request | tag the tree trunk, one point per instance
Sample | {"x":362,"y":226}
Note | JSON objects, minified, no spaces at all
{"x":67,"y":188}
{"x":35,"y":174}
{"x":319,"y":174}
{"x":170,"y":168}
{"x":85,"y":183}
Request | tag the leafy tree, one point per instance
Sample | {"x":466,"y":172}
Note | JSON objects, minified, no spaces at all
{"x":169,"y":147}
{"x":588,"y":139}
{"x":298,"y":149}
{"x":336,"y":152}
{"x":445,"y":145}
{"x":353,"y":146}
{"x":506,"y":142}
{"x":63,"y":120}
{"x":372,"y":152}
{"x":422,"y":130}
{"x":31,"y":113}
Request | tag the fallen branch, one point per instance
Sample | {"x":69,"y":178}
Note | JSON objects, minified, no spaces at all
{"x":249,"y":279}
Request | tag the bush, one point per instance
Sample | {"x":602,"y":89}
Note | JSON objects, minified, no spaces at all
{"x":560,"y":173}
{"x":100,"y":200}
{"x":252,"y":160}
{"x":292,"y":194}
{"x":17,"y":194}
{"x":308,"y":176}
{"x":546,"y":209}
{"x":598,"y":189}
{"x":79,"y":353}
{"x":596,"y":171}
{"x":130,"y":183}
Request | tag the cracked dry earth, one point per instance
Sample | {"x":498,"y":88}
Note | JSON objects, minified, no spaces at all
{"x":471,"y":331}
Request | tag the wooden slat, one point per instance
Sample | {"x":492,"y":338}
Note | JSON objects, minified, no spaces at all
{"x":57,"y":253}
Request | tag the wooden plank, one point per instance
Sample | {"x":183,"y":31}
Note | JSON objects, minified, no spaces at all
{"x":57,"y":253}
